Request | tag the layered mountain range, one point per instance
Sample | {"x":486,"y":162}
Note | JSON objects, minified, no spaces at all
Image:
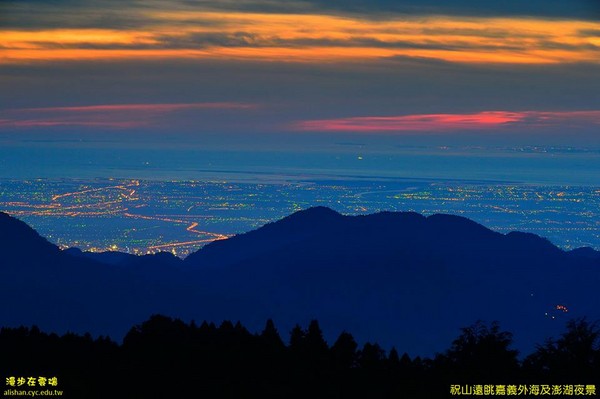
{"x":398,"y":278}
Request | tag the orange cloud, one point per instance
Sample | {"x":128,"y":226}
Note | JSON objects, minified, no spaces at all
{"x":314,"y":38}
{"x":450,"y":122}
{"x":122,"y":116}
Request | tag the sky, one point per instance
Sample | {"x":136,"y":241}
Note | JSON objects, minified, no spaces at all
{"x":299,"y":71}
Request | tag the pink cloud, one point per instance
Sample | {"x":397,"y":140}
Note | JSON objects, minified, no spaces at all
{"x":49,"y":123}
{"x":121,"y":116}
{"x":142,"y":107}
{"x":450,"y":122}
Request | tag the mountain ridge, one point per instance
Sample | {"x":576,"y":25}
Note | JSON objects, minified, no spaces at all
{"x":398,"y":278}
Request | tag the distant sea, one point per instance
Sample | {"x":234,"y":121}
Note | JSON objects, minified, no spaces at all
{"x":525,"y":164}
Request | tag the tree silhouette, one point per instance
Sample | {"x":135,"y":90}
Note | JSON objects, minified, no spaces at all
{"x":297,"y":336}
{"x":371,"y":357}
{"x":576,"y":354}
{"x":270,"y":355}
{"x":343,"y":351}
{"x":167,"y":357}
{"x":405,"y":361}
{"x":270,"y":336}
{"x":481,"y":353}
{"x":315,"y":343}
{"x":393,"y":360}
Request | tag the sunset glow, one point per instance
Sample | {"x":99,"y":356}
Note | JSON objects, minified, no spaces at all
{"x":121,"y":116}
{"x":313,"y":38}
{"x":271,"y":67}
{"x":449,"y":122}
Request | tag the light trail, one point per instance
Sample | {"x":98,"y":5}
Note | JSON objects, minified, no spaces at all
{"x":190,"y":228}
{"x":61,"y":211}
{"x":91,"y":190}
{"x":180,"y":244}
{"x":27,"y":205}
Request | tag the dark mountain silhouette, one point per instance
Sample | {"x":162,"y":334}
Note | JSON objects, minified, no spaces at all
{"x":585,"y":252}
{"x":18,"y":241}
{"x":41,"y":284}
{"x":396,"y":277}
{"x":152,"y":266}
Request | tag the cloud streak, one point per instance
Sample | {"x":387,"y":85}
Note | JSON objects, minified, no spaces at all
{"x":176,"y":34}
{"x":151,"y":108}
{"x":487,"y":120}
{"x":118,"y":116}
{"x":133,"y":14}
